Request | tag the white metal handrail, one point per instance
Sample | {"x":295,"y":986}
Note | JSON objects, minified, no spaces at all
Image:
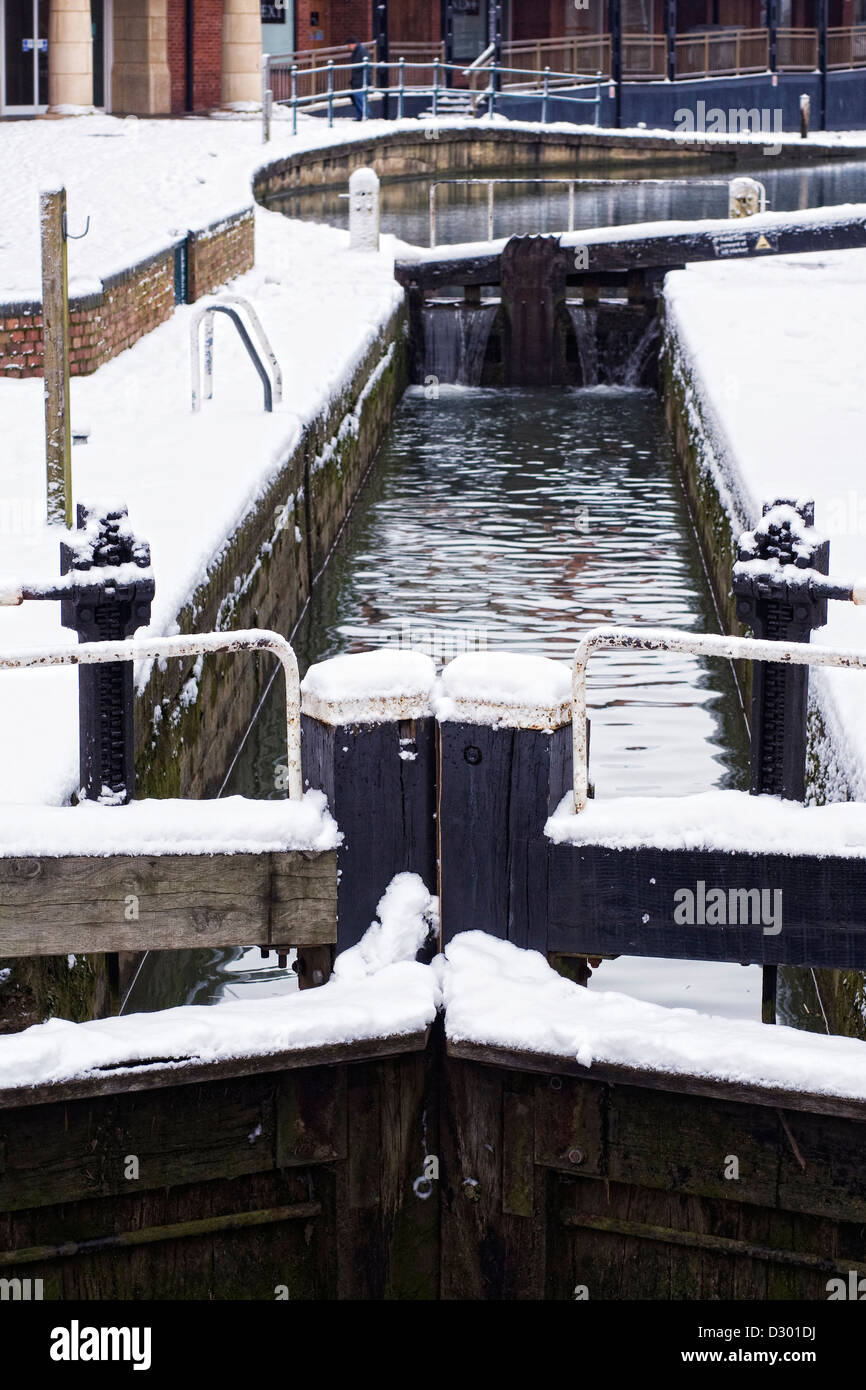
{"x":205,"y":314}
{"x":200,"y":644}
{"x":695,"y":644}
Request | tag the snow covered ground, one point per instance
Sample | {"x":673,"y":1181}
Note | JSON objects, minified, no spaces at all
{"x":774,"y":349}
{"x":774,"y":353}
{"x":321,"y":306}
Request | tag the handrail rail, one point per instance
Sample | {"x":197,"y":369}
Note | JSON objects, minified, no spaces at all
{"x":272,"y":385}
{"x":694,"y":643}
{"x":482,"y":61}
{"x":434,"y":89}
{"x":196,"y":644}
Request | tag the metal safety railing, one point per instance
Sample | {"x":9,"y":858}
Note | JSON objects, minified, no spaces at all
{"x":264,"y":359}
{"x":694,"y":644}
{"x":335,"y":84}
{"x":155,"y":648}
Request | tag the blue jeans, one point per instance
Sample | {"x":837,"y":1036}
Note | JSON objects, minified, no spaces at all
{"x":358,"y":103}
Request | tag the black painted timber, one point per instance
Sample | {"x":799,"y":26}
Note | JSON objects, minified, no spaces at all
{"x":605,"y":901}
{"x":740,"y":239}
{"x":380,"y":783}
{"x":496,"y":789}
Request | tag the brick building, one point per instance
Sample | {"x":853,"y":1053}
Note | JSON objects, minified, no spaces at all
{"x":151,"y":57}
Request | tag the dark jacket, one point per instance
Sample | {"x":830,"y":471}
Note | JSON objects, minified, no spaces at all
{"x":359,"y":53}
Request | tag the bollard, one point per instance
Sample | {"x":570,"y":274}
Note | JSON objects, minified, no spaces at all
{"x":105,"y":553}
{"x":368,"y":742}
{"x":775,"y":604}
{"x":746,"y":197}
{"x":805,"y":114}
{"x":505,"y":763}
{"x":364,"y":210}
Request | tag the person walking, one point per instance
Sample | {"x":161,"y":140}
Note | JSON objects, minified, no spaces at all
{"x":358,"y":58}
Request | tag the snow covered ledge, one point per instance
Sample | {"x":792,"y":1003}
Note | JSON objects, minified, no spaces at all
{"x":378,"y":991}
{"x":232,"y":825}
{"x":500,"y":1001}
{"x":506,"y":691}
{"x":377,"y":687}
{"x":727,"y":822}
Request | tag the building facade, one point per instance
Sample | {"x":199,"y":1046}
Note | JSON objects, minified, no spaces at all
{"x":150,"y":57}
{"x":160,"y":57}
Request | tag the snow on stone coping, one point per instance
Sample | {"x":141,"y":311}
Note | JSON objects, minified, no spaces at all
{"x":232,"y":825}
{"x":505,"y":690}
{"x":726,"y":821}
{"x":369,"y":687}
{"x":498,"y":995}
{"x":378,"y":991}
{"x":770,"y":355}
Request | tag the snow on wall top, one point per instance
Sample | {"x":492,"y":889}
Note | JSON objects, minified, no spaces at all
{"x":369,"y":687}
{"x":506,"y":690}
{"x":727,"y":821}
{"x":378,"y":991}
{"x":232,"y":825}
{"x":498,"y":995}
{"x":772,"y":354}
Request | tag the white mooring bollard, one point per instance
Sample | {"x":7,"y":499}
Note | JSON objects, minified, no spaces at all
{"x":364,"y":210}
{"x":746,"y":197}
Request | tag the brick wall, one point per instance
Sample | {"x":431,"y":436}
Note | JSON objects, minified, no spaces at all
{"x":21,"y":340}
{"x":207,"y":39}
{"x":131,"y":303}
{"x":177,"y":54}
{"x":207,"y":54}
{"x":339,"y":20}
{"x":220,"y":252}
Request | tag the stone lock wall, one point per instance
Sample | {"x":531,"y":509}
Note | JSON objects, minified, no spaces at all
{"x":131,"y":303}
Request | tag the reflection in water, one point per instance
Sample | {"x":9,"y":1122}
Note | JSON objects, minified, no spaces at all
{"x":521,"y":519}
{"x":461,"y":210}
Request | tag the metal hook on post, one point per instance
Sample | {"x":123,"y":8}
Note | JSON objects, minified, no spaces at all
{"x":71,"y":236}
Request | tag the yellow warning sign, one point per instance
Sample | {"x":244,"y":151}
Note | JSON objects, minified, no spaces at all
{"x":762,"y":244}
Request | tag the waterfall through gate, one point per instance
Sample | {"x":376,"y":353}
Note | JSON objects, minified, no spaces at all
{"x":455,"y":341}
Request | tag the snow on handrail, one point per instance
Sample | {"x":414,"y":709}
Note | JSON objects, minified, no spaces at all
{"x":196,"y":644}
{"x":661,"y":639}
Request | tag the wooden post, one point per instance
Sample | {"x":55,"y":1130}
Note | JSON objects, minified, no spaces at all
{"x":55,"y":335}
{"x":373,"y":755}
{"x":502,"y":770}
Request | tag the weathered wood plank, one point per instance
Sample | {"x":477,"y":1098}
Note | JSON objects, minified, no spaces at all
{"x":190,"y":1071}
{"x":49,"y":907}
{"x":628,"y":253}
{"x":659,"y":1081}
{"x":608,"y":902}
{"x":85,"y":1149}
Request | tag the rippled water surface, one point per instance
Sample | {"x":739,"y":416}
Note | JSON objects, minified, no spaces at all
{"x":518,"y":519}
{"x":461,"y":210}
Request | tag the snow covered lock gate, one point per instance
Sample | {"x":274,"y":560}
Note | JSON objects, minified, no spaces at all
{"x":579,"y":309}
{"x":410,"y":1166}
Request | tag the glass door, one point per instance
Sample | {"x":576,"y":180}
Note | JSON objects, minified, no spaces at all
{"x":25,"y":56}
